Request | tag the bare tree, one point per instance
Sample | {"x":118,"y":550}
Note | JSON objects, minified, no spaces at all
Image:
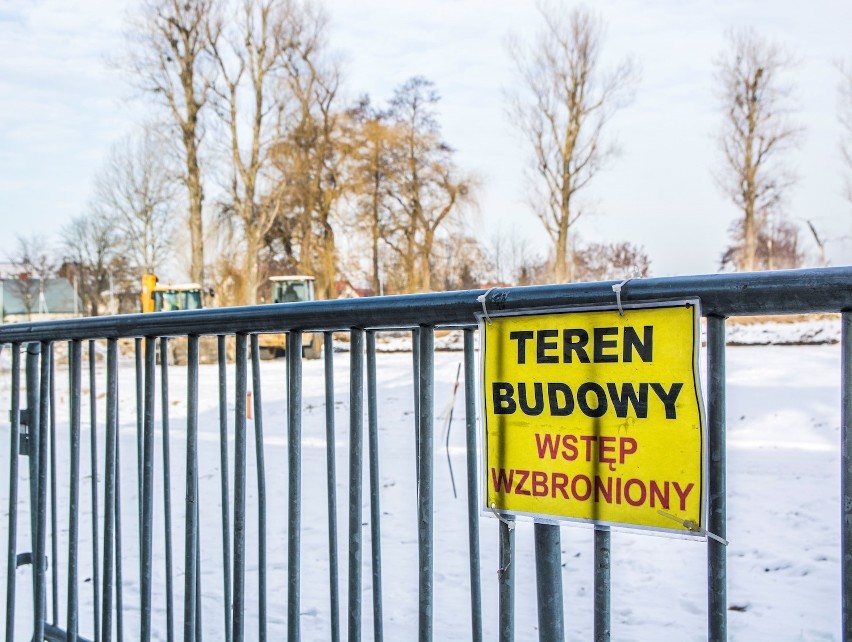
{"x":314,"y":146}
{"x":136,"y":193}
{"x":376,"y":142}
{"x":606,"y":261}
{"x":777,"y":247}
{"x":252,"y":58}
{"x":33,"y":266}
{"x":756,"y":133}
{"x":92,"y":244}
{"x":171,"y":59}
{"x":564,"y":103}
{"x":845,"y":116}
{"x":428,"y":186}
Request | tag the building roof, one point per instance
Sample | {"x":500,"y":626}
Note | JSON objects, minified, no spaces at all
{"x":58,"y":296}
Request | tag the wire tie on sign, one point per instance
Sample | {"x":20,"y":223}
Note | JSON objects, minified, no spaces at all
{"x":481,"y":298}
{"x":617,"y":289}
{"x":691,"y":526}
{"x":510,"y":524}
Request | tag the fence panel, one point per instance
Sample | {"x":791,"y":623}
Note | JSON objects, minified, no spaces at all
{"x":241,"y":560}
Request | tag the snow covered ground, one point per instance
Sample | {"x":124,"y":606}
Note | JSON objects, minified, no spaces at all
{"x":783,"y":522}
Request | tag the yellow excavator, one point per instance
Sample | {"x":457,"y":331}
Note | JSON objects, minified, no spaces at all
{"x":157,"y":297}
{"x":290,"y":289}
{"x":170,"y":297}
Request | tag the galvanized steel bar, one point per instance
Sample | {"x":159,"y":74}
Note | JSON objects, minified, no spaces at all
{"x":261,"y":486}
{"x":147,"y":497}
{"x":331,"y":483}
{"x":93,"y":450}
{"x":119,"y":598}
{"x":356,"y":466}
{"x":294,"y":473}
{"x":223,"y":475}
{"x":755,"y":293}
{"x":846,"y":476}
{"x":54,"y":516}
{"x":167,"y":487}
{"x":603,"y":619}
{"x":190,"y":503}
{"x":33,"y":408}
{"x":717,"y":608}
{"x":140,"y":427}
{"x":506,"y":582}
{"x":375,"y":485}
{"x":548,"y":570}
{"x":39,"y":545}
{"x":75,"y":356}
{"x":112,"y":554}
{"x":239,"y":602}
{"x":425,"y":494}
{"x":12,"y":534}
{"x":472,"y":486}
{"x":415,"y":357}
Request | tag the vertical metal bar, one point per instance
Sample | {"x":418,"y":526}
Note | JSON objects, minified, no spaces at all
{"x":294,"y":450}
{"x":240,"y":490}
{"x":223,"y":463}
{"x":147,"y":497}
{"x":261,"y":487}
{"x":93,"y":449}
{"x":198,"y":613}
{"x":111,"y":556}
{"x":191,"y":512}
{"x":415,"y":353}
{"x":506,"y":582}
{"x":717,"y":611}
{"x":140,"y":427}
{"x":33,"y":421}
{"x":119,"y":598}
{"x":846,"y":475}
{"x":375,"y":510}
{"x":54,"y":516}
{"x":472,"y":487}
{"x":548,"y":567}
{"x":331,"y":483}
{"x":39,"y":570}
{"x":75,"y":377}
{"x":356,"y":465}
{"x":425,"y":494}
{"x":15,"y":438}
{"x":603,"y":619}
{"x":167,"y":487}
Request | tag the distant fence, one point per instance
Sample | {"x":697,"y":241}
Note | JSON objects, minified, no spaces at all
{"x":66,"y":555}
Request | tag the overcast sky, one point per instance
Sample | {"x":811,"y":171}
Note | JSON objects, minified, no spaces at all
{"x":62,"y":107}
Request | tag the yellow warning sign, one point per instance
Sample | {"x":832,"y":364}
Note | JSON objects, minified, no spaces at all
{"x":594,"y":416}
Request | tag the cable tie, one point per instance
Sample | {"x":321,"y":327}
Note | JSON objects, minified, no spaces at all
{"x":510,"y":524}
{"x":617,"y":289}
{"x":692,"y":527}
{"x":481,"y":298}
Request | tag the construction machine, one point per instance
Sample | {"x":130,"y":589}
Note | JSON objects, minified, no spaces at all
{"x":157,"y":297}
{"x":169,"y":297}
{"x":290,"y":289}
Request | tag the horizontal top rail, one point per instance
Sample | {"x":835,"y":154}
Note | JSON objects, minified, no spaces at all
{"x":738,"y":294}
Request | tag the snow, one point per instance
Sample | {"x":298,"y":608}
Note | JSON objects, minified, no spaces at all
{"x":783,"y":510}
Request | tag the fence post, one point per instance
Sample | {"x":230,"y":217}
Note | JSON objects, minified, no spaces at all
{"x":846,"y":476}
{"x":717,"y":611}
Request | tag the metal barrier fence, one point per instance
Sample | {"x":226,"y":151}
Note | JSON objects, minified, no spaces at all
{"x":60,"y":574}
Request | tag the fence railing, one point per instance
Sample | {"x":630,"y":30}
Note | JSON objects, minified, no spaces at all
{"x":101,"y":578}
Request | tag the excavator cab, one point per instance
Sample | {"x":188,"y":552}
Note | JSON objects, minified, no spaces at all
{"x":290,"y":289}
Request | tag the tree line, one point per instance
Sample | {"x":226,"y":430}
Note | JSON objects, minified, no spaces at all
{"x":255,"y":163}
